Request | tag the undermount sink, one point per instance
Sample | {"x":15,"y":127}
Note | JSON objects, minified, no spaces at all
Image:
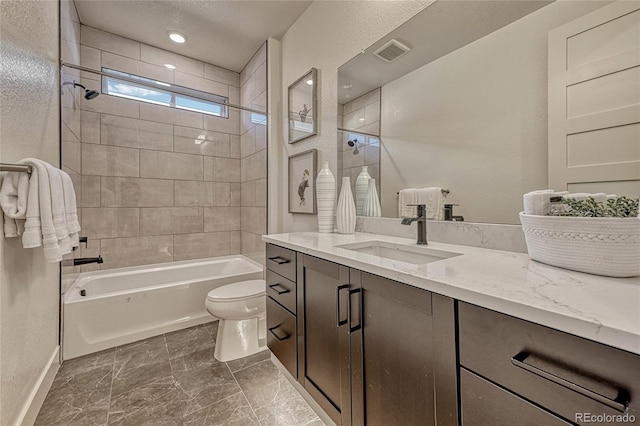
{"x":404,"y":253}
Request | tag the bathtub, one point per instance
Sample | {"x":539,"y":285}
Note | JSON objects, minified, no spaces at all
{"x":113,"y":307}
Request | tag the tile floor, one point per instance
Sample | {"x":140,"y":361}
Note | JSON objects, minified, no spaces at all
{"x":173,"y":379}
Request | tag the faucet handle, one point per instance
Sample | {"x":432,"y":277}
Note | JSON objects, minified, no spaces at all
{"x":421,"y":208}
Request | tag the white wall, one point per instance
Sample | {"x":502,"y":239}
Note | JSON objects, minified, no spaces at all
{"x":326,"y":35}
{"x":29,"y":127}
{"x":475,"y":121}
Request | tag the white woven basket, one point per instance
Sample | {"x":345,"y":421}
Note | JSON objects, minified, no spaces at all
{"x":596,"y":245}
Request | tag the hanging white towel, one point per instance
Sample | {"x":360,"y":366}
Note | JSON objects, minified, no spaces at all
{"x":58,"y":209}
{"x":73,"y":226}
{"x":406,"y":197}
{"x":39,"y":229}
{"x":433,"y":199}
{"x":13,"y":201}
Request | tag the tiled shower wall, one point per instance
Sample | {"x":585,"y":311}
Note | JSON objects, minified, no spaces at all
{"x":70,"y":109}
{"x":363,"y":114}
{"x":253,"y":94}
{"x":148,"y":192}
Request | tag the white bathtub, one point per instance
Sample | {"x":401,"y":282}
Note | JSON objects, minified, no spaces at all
{"x":123,"y":305}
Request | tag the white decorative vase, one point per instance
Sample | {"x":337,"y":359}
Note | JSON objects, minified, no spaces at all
{"x":362,"y":183}
{"x":326,"y":198}
{"x":346,"y":210}
{"x":372,"y":203}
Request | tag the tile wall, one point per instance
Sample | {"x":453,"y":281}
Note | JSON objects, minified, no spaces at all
{"x":362,"y":114}
{"x":70,"y":112}
{"x":253,"y":152}
{"x":148,"y":192}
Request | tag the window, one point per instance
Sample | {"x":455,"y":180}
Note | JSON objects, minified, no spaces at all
{"x":125,"y":85}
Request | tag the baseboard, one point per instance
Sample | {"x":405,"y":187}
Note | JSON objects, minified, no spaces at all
{"x":34,"y":402}
{"x":303,"y":393}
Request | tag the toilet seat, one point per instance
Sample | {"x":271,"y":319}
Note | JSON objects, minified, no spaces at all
{"x":239,"y":291}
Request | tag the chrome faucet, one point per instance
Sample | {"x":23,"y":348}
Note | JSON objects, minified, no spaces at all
{"x":422,"y":223}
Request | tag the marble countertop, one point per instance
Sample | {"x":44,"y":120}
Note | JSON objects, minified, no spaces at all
{"x":602,"y":309}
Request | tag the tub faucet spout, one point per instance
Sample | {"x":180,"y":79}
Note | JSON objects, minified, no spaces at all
{"x":422,"y":223}
{"x":86,"y":260}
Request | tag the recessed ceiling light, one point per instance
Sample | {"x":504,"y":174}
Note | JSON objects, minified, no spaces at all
{"x":347,"y":86}
{"x":310,"y":82}
{"x":176,"y":37}
{"x":171,"y":67}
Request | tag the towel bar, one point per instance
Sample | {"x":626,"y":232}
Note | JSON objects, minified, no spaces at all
{"x":444,"y":192}
{"x":7,"y":167}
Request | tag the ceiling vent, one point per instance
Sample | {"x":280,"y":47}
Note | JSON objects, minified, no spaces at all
{"x":391,"y":51}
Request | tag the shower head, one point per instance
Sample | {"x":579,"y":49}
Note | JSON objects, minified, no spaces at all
{"x":354,"y":143}
{"x":88,"y":94}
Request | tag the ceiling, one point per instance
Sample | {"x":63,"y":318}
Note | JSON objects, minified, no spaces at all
{"x":225,"y":33}
{"x":441,"y":28}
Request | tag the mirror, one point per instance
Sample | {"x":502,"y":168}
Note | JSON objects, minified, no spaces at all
{"x":465,"y":109}
{"x":302,"y":107}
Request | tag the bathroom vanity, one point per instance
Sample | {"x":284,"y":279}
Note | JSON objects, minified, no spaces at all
{"x":449,"y":335}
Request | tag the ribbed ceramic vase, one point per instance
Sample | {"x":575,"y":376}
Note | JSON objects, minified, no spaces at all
{"x":326,"y":198}
{"x":346,"y":209}
{"x":362,"y":184}
{"x":372,"y":202}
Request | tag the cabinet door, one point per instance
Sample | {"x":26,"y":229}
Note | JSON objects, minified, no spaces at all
{"x":323,"y":341}
{"x":391,"y":352}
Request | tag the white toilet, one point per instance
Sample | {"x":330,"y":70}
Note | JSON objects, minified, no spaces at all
{"x":241,"y":308}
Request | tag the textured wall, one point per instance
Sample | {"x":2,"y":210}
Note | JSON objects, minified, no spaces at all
{"x":253,"y":144}
{"x":29,"y":127}
{"x":326,"y":36}
{"x":149,"y":192}
{"x":475,"y":120}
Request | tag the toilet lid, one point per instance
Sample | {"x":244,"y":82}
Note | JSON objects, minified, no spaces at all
{"x":239,"y":290}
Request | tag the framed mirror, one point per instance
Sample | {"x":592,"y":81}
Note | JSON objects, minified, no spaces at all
{"x":303,"y":107}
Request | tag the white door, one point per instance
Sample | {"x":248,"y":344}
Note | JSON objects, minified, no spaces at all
{"x":594,"y":102}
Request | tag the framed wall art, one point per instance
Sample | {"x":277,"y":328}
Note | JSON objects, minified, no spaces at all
{"x":302,"y":186}
{"x":303,"y":107}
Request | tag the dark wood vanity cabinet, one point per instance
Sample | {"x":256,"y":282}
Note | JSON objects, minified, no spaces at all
{"x":391,"y":352}
{"x":366,"y":348}
{"x":373,"y":351}
{"x":282,"y":328}
{"x":323,"y":345}
{"x":505,"y":361}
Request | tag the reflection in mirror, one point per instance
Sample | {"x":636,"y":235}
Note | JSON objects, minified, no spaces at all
{"x":359,"y":145}
{"x":466,"y":108}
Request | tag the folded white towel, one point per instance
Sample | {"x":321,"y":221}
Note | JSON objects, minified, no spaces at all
{"x":13,"y":201}
{"x":612,"y":197}
{"x":73,"y":226}
{"x":39,"y":229}
{"x":433,"y":199}
{"x":406,"y":197}
{"x":537,"y":202}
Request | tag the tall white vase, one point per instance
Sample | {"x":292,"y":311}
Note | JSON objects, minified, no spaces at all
{"x":326,"y":198}
{"x":346,"y":210}
{"x":372,"y":202}
{"x":362,"y":183}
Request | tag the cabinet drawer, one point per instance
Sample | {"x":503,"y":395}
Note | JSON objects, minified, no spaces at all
{"x":281,"y":336}
{"x":484,"y":403}
{"x":282,"y":261}
{"x":281,"y":290}
{"x":566,"y":374}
